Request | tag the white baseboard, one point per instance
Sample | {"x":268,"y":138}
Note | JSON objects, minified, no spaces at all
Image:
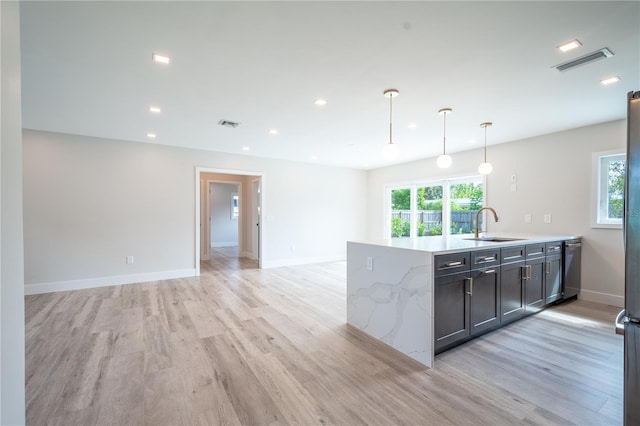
{"x":301,"y":261}
{"x":224,"y":244}
{"x":51,"y":287}
{"x":604,"y":298}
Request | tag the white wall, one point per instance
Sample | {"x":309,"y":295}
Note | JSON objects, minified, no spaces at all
{"x":12,"y":373}
{"x":224,"y":229}
{"x":89,"y":203}
{"x":554,"y":176}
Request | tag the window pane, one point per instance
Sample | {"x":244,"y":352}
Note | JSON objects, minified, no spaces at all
{"x":466,"y":198}
{"x":615,"y":188}
{"x":610,"y":191}
{"x":400,"y":213}
{"x":429,"y":220}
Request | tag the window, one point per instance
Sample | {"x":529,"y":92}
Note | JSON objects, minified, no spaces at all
{"x":610,"y":170}
{"x":426,"y":209}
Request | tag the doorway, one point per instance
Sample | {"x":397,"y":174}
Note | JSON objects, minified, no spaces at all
{"x":228,"y":200}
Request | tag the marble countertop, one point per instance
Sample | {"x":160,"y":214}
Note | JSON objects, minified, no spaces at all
{"x":458,"y":243}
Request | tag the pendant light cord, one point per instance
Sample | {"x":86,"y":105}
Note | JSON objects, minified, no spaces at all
{"x":444,"y":134}
{"x":390,"y":119}
{"x":485,"y":143}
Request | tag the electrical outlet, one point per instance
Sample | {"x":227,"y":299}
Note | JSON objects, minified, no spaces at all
{"x":369,"y":263}
{"x":130,"y":260}
{"x":514,"y":187}
{"x":527,"y":218}
{"x":547,"y":218}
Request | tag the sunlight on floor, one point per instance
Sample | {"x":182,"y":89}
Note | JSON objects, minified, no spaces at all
{"x":566,"y":317}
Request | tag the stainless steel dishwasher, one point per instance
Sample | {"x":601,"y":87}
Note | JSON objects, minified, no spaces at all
{"x":571,"y":267}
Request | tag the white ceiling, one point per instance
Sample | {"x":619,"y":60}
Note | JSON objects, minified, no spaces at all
{"x":87,"y":69}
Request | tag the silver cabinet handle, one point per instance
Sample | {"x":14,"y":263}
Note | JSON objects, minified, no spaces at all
{"x":573,"y":245}
{"x":486,"y":259}
{"x":526,"y":273}
{"x":490,"y":271}
{"x":620,"y":322}
{"x":548,"y":265}
{"x":470,"y":292}
{"x":450,"y":264}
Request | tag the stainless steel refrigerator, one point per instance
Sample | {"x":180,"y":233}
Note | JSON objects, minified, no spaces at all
{"x":629,"y":318}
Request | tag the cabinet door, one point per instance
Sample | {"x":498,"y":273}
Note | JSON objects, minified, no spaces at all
{"x":451,"y":309}
{"x":484,"y":300}
{"x":534,"y":294}
{"x":553,"y":278}
{"x":511,"y":292}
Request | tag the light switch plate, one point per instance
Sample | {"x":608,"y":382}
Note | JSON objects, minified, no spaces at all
{"x":514,"y":178}
{"x":547,"y":218}
{"x":369,"y":263}
{"x":527,"y":218}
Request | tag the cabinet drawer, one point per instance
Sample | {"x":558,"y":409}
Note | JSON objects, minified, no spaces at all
{"x":446,"y":264}
{"x":485,"y":258}
{"x":535,"y":250}
{"x":512,"y":254}
{"x":553,"y":248}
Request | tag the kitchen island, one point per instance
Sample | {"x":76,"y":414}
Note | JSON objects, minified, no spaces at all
{"x":391,"y":286}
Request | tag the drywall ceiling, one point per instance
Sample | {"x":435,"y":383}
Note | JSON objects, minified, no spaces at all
{"x":87,"y":70}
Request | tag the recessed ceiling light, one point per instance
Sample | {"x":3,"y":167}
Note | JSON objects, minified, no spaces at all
{"x":320,"y":102}
{"x":412,"y":126}
{"x":154,"y":109}
{"x":610,"y":80}
{"x":273,"y":131}
{"x":161,"y":59}
{"x":151,"y":135}
{"x":570,"y":45}
{"x":245,"y":148}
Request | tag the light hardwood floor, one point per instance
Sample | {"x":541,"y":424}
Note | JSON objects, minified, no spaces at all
{"x":239,"y":345}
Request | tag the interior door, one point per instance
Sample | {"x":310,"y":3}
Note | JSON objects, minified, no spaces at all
{"x":255,"y":219}
{"x":204,"y":220}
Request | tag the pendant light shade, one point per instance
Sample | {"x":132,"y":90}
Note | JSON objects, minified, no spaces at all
{"x":485,"y":168}
{"x":444,"y":161}
{"x":390,"y":149}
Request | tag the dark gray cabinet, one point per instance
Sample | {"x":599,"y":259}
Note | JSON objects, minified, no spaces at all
{"x":512,"y":283}
{"x":484,"y":301}
{"x":511,"y":291}
{"x":553,"y":272}
{"x":451,"y":316}
{"x":534,"y":291}
{"x":466,"y":296}
{"x":481,"y":290}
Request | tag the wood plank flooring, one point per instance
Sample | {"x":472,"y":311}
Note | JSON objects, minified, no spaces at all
{"x":239,"y":345}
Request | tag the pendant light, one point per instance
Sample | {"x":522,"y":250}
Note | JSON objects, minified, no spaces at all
{"x":444,"y":160}
{"x":485,"y":168}
{"x":390,"y":150}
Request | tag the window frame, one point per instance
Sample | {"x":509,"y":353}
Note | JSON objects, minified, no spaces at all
{"x":600,"y":185}
{"x":413,"y":186}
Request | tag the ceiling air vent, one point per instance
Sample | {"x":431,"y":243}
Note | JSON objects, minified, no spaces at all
{"x":593,"y":56}
{"x":229,"y":123}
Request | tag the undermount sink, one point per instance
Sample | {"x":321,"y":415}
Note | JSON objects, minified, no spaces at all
{"x":495,"y":239}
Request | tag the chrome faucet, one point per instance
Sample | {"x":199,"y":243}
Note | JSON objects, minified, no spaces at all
{"x":495,"y":216}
